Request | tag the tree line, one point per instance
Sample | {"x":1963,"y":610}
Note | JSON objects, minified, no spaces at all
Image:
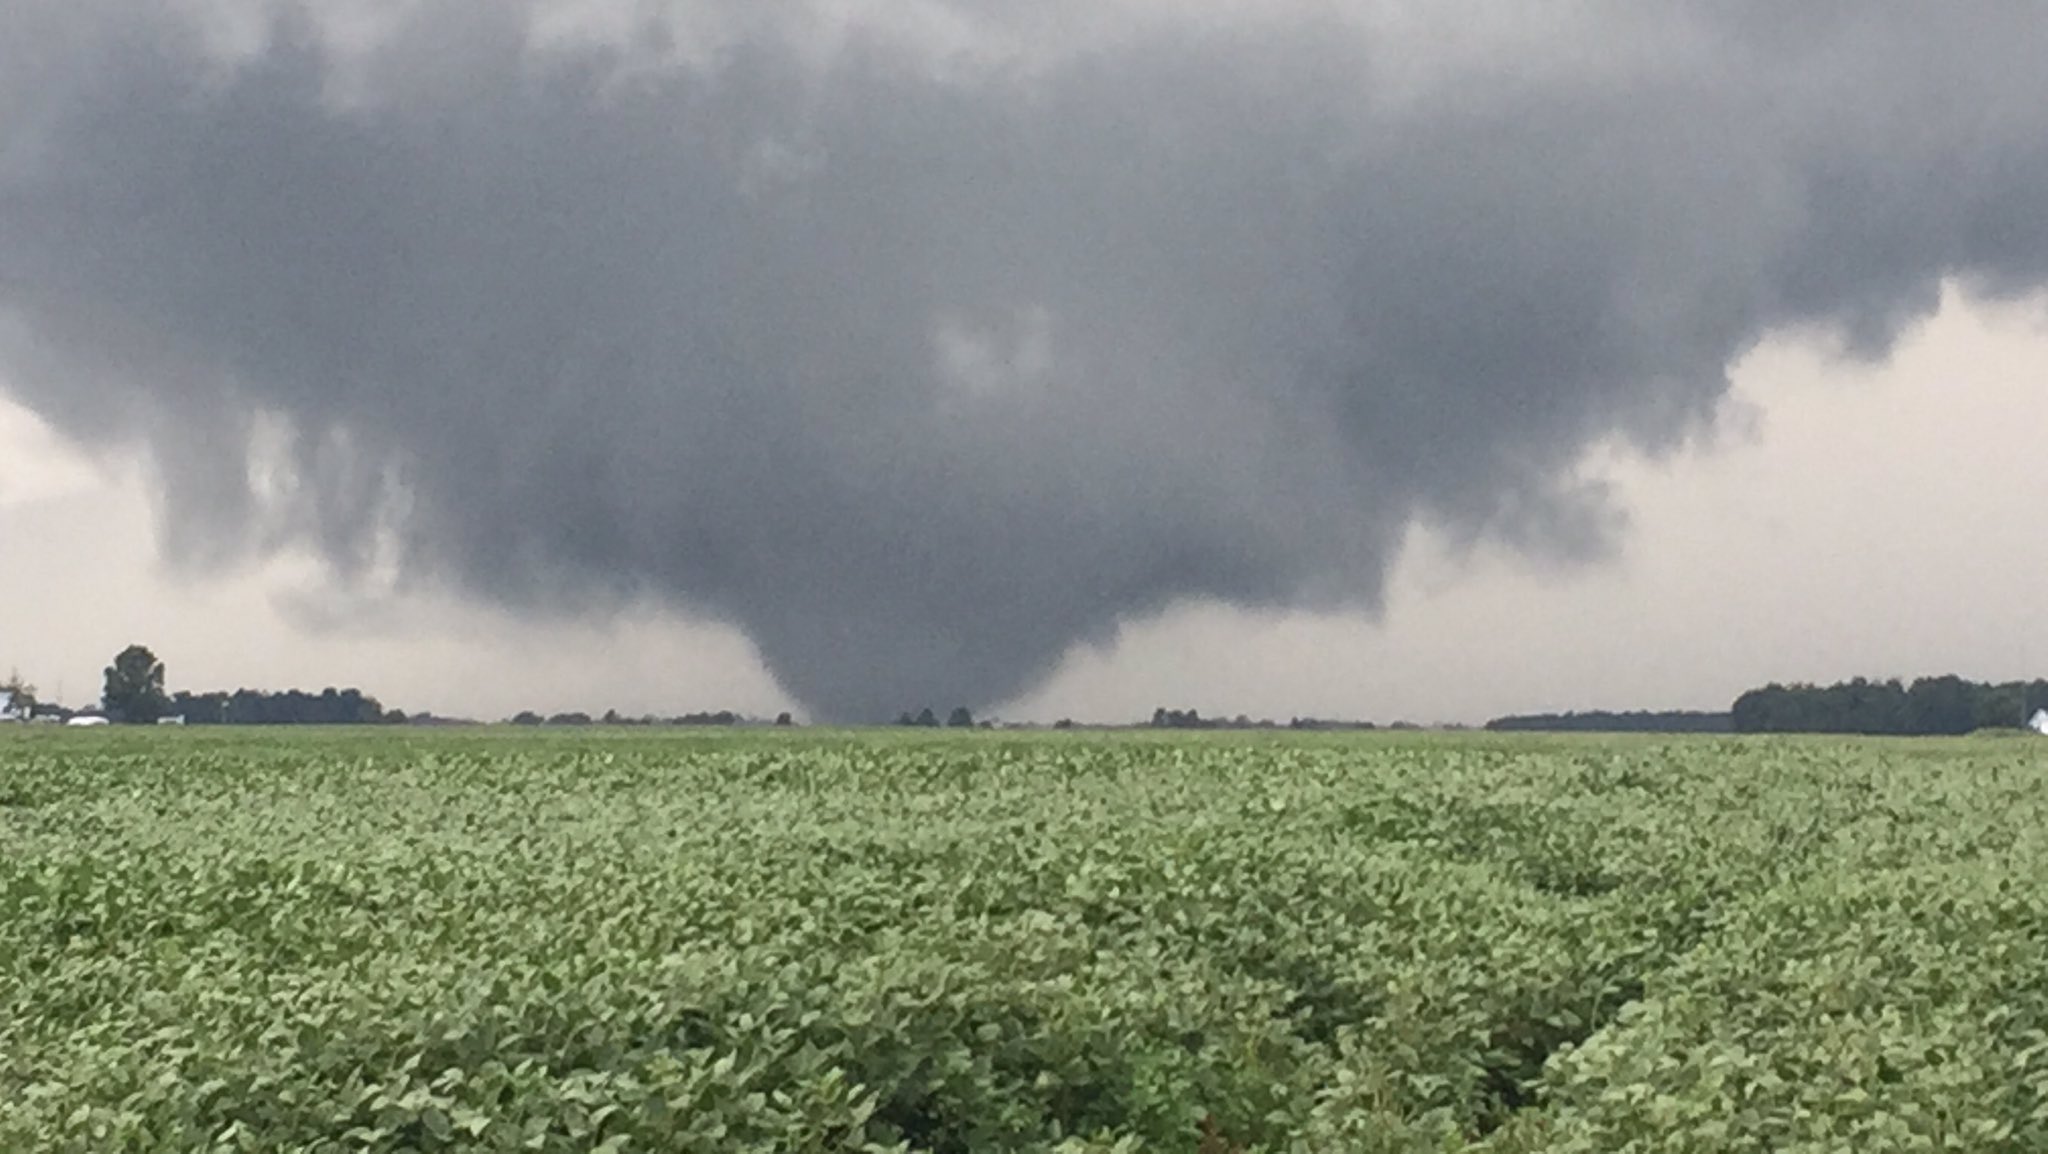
{"x":1604,"y":721}
{"x":290,"y":707}
{"x":961,"y":718}
{"x":614,"y":717}
{"x":1164,"y":718}
{"x":1927,"y":706}
{"x":134,"y":693}
{"x":1946,"y":705}
{"x":1923,"y":707}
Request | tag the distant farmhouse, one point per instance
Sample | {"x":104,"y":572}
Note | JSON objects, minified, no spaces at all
{"x":2039,"y":722}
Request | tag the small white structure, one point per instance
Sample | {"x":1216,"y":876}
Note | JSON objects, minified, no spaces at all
{"x":2039,"y":722}
{"x":9,"y":711}
{"x":176,"y":719}
{"x":86,"y":722}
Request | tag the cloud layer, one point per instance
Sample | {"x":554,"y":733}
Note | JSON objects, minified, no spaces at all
{"x":925,"y":340}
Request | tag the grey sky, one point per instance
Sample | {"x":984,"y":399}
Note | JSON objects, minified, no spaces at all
{"x":1870,"y":521}
{"x":933,"y":348}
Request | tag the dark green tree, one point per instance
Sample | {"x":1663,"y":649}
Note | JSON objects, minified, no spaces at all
{"x":135,"y":687}
{"x":21,"y":692}
{"x":1930,"y":705}
{"x":960,"y":718}
{"x":1941,"y":705}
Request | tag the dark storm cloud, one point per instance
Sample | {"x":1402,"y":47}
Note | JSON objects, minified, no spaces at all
{"x":922,"y":367}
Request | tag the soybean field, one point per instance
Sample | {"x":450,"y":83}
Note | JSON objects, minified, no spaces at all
{"x":640,"y":940}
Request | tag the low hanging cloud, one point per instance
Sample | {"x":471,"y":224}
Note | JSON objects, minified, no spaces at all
{"x":926,"y":340}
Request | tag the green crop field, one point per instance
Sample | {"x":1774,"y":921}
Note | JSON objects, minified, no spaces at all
{"x":814,"y":941}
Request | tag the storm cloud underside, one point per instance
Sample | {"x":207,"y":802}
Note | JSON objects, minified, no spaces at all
{"x":924,"y":341}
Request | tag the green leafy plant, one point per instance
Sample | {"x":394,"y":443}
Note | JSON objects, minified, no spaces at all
{"x":808,"y":941}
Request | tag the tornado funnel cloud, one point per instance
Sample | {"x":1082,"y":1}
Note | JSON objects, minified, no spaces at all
{"x":925,"y":342}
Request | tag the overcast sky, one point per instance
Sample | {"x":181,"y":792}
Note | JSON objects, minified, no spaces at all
{"x":1374,"y":360}
{"x":1879,"y":521}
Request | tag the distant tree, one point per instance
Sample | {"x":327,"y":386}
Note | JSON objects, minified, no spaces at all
{"x":611,"y":717}
{"x":1603,"y":721}
{"x":527,"y":717}
{"x":577,"y":717}
{"x":1329,"y":724}
{"x":960,"y":718}
{"x":784,"y":719}
{"x":22,"y":692}
{"x":287,"y":707}
{"x":1941,"y":705}
{"x":2000,"y":707}
{"x":201,"y":708}
{"x":2033,"y":696}
{"x":135,"y":687}
{"x":926,"y":718}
